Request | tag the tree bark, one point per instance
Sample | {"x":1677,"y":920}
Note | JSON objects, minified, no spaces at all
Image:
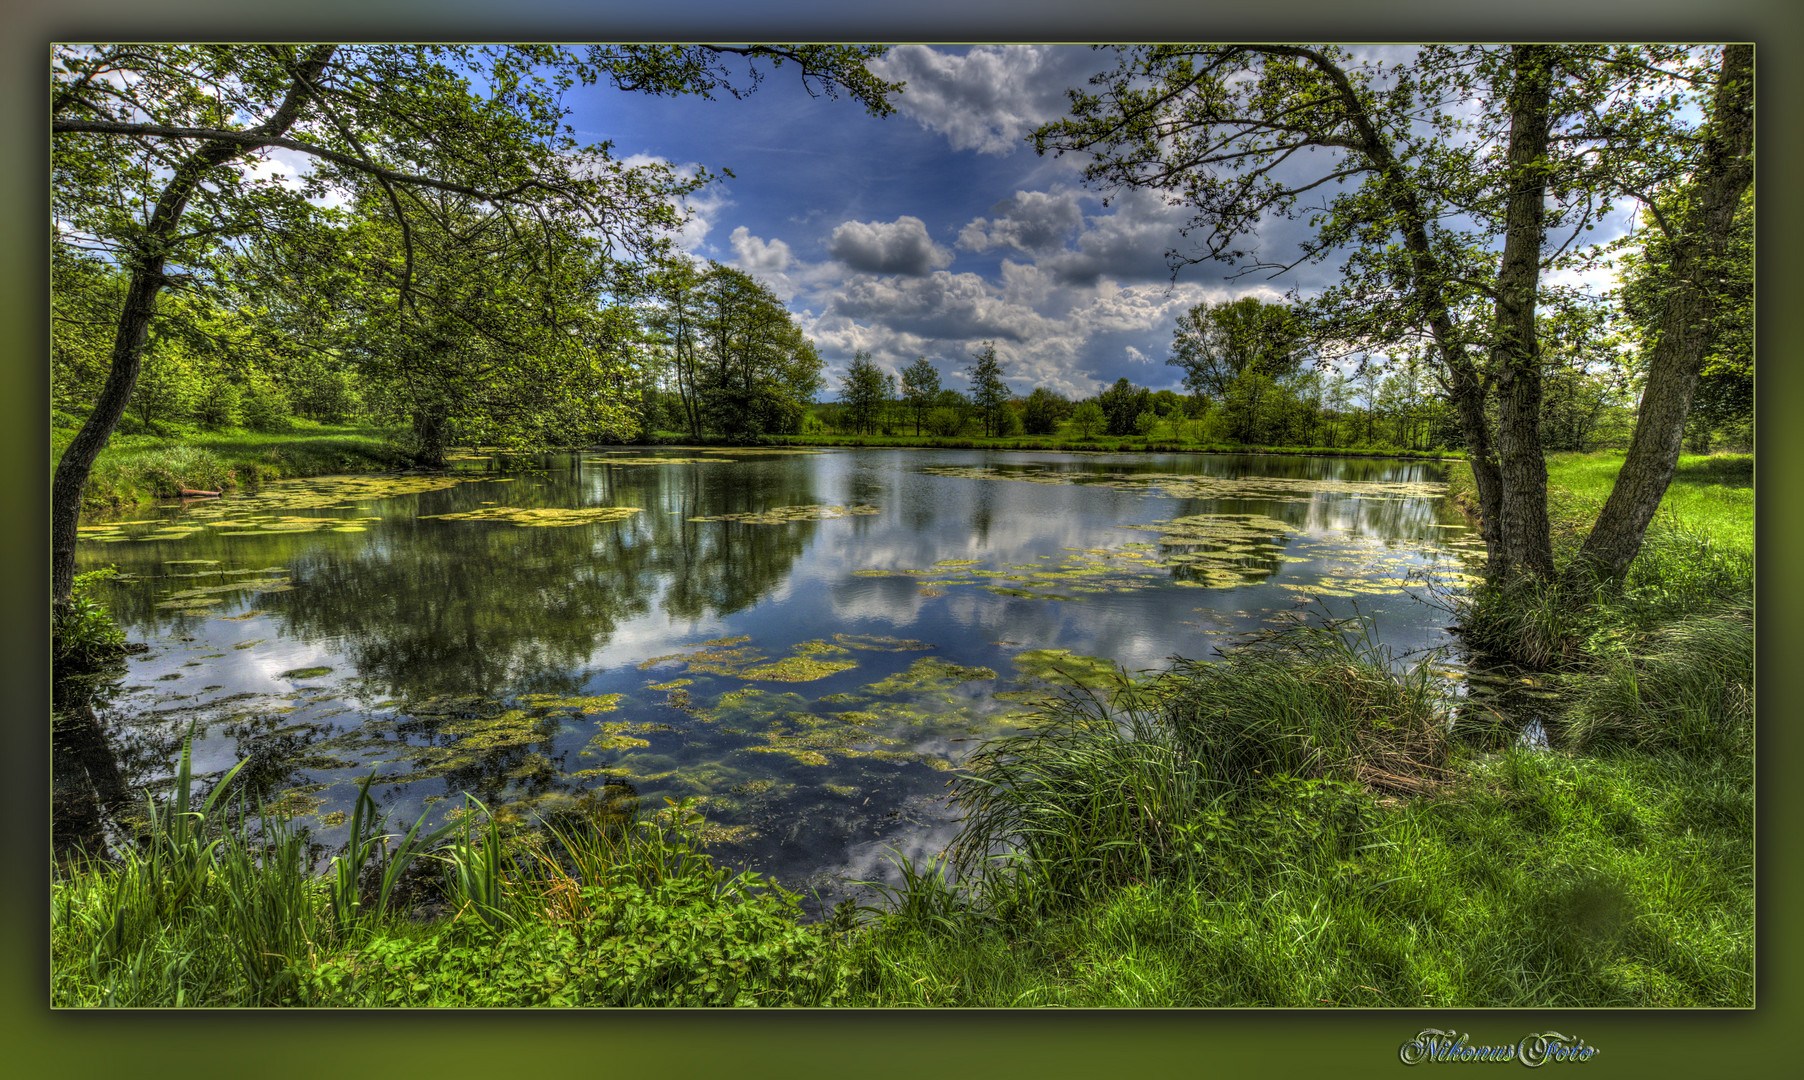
{"x":148,"y":259}
{"x":1515,"y":352}
{"x":1685,"y":327}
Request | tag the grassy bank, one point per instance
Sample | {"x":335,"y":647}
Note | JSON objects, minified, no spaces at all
{"x":137,"y":468}
{"x":1711,"y":495}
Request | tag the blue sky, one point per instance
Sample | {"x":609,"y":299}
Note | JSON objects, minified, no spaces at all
{"x":933,"y":230}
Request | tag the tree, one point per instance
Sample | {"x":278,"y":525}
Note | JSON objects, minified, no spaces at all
{"x":1725,"y":388}
{"x":152,"y":148}
{"x":675,"y":285}
{"x":1459,"y":178}
{"x":1043,"y":410}
{"x":950,"y":413}
{"x":864,"y":391}
{"x":1121,"y":405}
{"x":1702,"y":297}
{"x":1214,"y":343}
{"x":1087,"y":418}
{"x":759,"y":373}
{"x":989,"y":394}
{"x":920,"y":384}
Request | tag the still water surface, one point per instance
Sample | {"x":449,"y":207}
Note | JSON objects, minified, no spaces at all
{"x":806,"y":642}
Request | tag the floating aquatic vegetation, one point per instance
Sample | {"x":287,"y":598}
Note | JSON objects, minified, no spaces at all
{"x":1064,"y":667}
{"x":880,"y":643}
{"x":621,"y":735}
{"x":763,"y":451}
{"x":751,"y":703}
{"x":798,"y":669}
{"x":929,"y":677}
{"x":1193,"y":486}
{"x":588,"y":706}
{"x":782,"y":515}
{"x":305,"y":673}
{"x":718,"y":658}
{"x":657,"y":460}
{"x":545,"y":517}
{"x":295,"y":802}
{"x":802,"y":755}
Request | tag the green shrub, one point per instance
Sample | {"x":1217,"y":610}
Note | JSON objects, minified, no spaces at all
{"x":265,"y":407}
{"x":217,"y":402}
{"x":687,"y":941}
{"x":84,"y":635}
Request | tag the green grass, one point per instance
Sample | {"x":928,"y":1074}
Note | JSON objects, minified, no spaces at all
{"x":1542,"y":880}
{"x":1710,"y":494}
{"x":212,"y":909}
{"x":137,"y":468}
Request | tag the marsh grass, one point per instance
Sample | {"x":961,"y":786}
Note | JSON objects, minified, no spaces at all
{"x":138,"y":468}
{"x":207,"y":909}
{"x":1687,"y":687}
{"x":1162,"y":778}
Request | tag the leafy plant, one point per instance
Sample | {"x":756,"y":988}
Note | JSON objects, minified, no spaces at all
{"x":83,"y":635}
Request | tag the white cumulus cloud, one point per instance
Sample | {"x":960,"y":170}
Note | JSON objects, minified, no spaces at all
{"x":989,"y":98}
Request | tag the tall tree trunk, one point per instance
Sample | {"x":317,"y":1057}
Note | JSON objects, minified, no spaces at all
{"x":147,"y":262}
{"x":1515,"y":353}
{"x":1685,"y":328}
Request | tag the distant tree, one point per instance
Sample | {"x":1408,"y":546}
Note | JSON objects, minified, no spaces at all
{"x":1042,"y":410}
{"x":1122,"y":404}
{"x":989,"y":394}
{"x":864,"y":391}
{"x":1214,"y":343}
{"x":759,"y":372}
{"x":920,"y":384}
{"x":1166,"y":402}
{"x":1145,"y":423}
{"x":950,"y":414}
{"x":1088,"y":417}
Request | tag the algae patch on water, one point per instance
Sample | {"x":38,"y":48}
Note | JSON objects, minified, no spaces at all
{"x":1064,"y":667}
{"x":782,"y":515}
{"x":305,"y":672}
{"x":728,"y":656}
{"x":544,"y":517}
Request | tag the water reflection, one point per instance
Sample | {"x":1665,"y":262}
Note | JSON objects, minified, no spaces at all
{"x":531,"y":666}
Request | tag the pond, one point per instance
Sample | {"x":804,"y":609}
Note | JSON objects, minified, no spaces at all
{"x":804,"y":642}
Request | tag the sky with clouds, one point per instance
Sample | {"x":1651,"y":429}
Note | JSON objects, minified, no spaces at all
{"x":934,"y":230}
{"x":937,"y":229}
